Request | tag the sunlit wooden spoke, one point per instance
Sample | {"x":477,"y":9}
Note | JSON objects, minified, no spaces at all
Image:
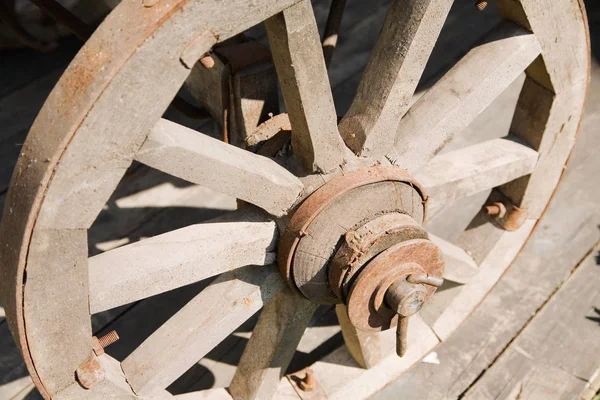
{"x":199,"y":326}
{"x":467,"y":171}
{"x":200,"y":159}
{"x":464,"y":92}
{"x":271,"y":347}
{"x":298,"y":58}
{"x":171,"y":260}
{"x":459,"y":266}
{"x":397,"y":62}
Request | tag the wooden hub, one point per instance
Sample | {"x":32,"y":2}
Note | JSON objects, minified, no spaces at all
{"x":368,"y":211}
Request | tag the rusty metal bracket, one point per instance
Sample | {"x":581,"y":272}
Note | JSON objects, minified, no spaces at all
{"x":306,"y":385}
{"x":504,"y":213}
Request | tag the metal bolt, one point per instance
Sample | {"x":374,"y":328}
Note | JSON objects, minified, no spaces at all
{"x":308,"y":383}
{"x":108,"y":339}
{"x":207,"y":62}
{"x":481,"y":4}
{"x":498,"y":209}
{"x":149,"y":3}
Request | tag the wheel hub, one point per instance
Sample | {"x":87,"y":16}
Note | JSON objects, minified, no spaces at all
{"x":358,"y":240}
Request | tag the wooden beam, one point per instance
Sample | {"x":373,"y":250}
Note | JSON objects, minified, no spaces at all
{"x":365,"y":347}
{"x":460,"y":267}
{"x":389,"y":81}
{"x":200,"y":325}
{"x":273,"y":342}
{"x":298,"y":58}
{"x":178,"y":258}
{"x":467,"y":171}
{"x":462,"y":94}
{"x":198,"y":158}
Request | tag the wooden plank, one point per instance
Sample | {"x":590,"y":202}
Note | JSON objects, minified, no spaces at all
{"x":467,"y":171}
{"x":459,"y":266}
{"x":178,"y":258}
{"x":298,"y":58}
{"x":365,"y":347}
{"x":200,"y":159}
{"x":395,"y":66}
{"x":341,"y":378}
{"x":211,"y":394}
{"x":554,"y":355}
{"x":273,"y":342}
{"x":187,"y":336}
{"x":461,"y":94}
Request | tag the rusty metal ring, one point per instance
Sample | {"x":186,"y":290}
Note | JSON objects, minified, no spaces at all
{"x":360,"y":246}
{"x":366,"y":309}
{"x":326,"y":195}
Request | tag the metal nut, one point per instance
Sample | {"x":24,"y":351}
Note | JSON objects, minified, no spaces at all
{"x":308,"y":383}
{"x":207,"y":62}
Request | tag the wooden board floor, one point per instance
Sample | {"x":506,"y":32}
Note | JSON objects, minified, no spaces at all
{"x":512,"y":346}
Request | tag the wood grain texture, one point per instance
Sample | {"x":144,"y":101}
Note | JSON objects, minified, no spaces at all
{"x":191,"y":333}
{"x":551,"y":104}
{"x":544,"y":361}
{"x":178,"y":258}
{"x":461,"y":173}
{"x":389,"y":81}
{"x":206,"y":161}
{"x":269,"y":351}
{"x":298,"y":58}
{"x":462,"y":94}
{"x":56,"y":308}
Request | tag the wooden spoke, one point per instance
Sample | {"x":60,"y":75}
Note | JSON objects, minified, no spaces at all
{"x":460,"y":267}
{"x":271,"y":347}
{"x":298,"y":58}
{"x":200,"y":325}
{"x":365,"y":347}
{"x":397,"y":62}
{"x":467,"y":171}
{"x":200,"y":159}
{"x":171,"y":260}
{"x":466,"y":90}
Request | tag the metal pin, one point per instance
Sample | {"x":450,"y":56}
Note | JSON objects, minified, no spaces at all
{"x":425,"y":280}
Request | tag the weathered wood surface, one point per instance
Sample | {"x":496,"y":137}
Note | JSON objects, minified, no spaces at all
{"x":461,"y":94}
{"x":298,"y":58}
{"x":461,"y":173}
{"x":178,"y":258}
{"x":396,"y":63}
{"x":274,"y":339}
{"x":190,"y":334}
{"x":558,"y":244}
{"x":575,"y":239}
{"x":200,"y":159}
{"x":558,"y":351}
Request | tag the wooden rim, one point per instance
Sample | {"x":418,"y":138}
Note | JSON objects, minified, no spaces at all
{"x":72,"y":161}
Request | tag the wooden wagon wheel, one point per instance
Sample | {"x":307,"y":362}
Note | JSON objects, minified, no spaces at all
{"x":355,"y":240}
